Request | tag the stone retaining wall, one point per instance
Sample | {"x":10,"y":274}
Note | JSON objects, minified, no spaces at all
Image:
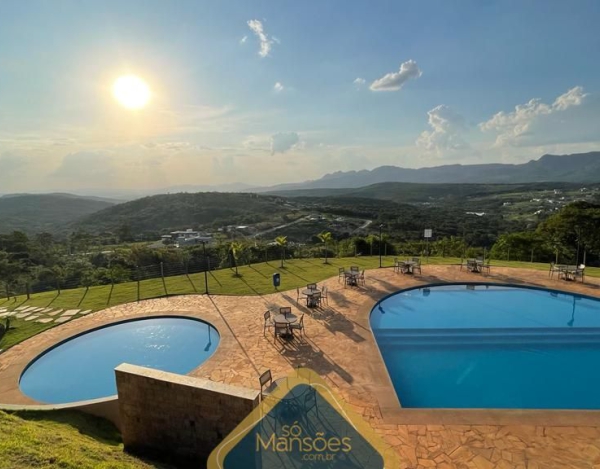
{"x":166,"y":415}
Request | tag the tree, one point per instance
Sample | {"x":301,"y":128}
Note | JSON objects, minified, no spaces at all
{"x":59,"y":274}
{"x":236,"y":248}
{"x":281,"y":241}
{"x":370,"y":241}
{"x":576,"y":225}
{"x":325,"y":237}
{"x":6,"y":272}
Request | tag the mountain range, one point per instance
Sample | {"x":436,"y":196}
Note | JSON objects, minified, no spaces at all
{"x":578,"y":168}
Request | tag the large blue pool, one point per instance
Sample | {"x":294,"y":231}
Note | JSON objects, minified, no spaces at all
{"x":83,"y":368}
{"x":486,"y":346}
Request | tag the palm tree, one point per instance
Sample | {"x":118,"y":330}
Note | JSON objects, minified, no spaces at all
{"x":326,"y":238}
{"x":60,"y":274}
{"x":370,"y":241}
{"x":281,"y":241}
{"x":236,"y":248}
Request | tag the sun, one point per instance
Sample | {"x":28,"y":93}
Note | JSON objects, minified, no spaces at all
{"x":131,"y":92}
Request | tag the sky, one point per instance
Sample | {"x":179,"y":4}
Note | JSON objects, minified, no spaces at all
{"x":267,"y":92}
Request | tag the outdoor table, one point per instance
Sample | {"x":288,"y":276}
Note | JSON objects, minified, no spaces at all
{"x":311,"y":300}
{"x":352,"y":278}
{"x":286,"y":319}
{"x":407,"y":267}
{"x":568,"y":272}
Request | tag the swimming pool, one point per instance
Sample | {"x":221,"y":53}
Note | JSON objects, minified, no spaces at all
{"x":490,"y":346}
{"x":82,"y":368}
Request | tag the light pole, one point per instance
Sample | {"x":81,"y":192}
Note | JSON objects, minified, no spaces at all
{"x":380,"y":228}
{"x":205,"y":267}
{"x":578,"y":233}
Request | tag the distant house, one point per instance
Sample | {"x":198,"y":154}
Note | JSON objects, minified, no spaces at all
{"x":189,"y":237}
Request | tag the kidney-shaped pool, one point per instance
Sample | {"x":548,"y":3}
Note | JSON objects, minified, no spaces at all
{"x":490,"y":346}
{"x":82,"y":367}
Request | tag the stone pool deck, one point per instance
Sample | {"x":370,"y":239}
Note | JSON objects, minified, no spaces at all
{"x":339,"y":346}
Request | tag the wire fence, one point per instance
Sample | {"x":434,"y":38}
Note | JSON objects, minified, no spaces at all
{"x":121,"y":272}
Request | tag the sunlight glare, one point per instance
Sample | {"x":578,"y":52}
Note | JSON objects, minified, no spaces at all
{"x":131,"y":92}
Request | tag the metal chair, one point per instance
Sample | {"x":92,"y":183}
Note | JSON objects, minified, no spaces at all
{"x":554,"y":268}
{"x":299,"y":295}
{"x":281,"y":328}
{"x":361,"y":277}
{"x":311,"y":286}
{"x":317,"y":298}
{"x":299,"y":326}
{"x":341,"y":273}
{"x":324,"y":295}
{"x":354,"y":268}
{"x":486,"y":266}
{"x":267,"y":385}
{"x":285,"y":310}
{"x":268,"y":321}
{"x":579,"y":272}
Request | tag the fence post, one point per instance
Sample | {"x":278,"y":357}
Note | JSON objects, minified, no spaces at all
{"x":137,"y":269}
{"x":28,"y":291}
{"x":162,"y":275}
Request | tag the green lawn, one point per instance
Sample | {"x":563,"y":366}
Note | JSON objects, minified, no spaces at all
{"x":252,"y":280}
{"x":66,"y":439}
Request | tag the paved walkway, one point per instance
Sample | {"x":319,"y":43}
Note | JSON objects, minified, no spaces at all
{"x":41,"y":314}
{"x":339,"y":346}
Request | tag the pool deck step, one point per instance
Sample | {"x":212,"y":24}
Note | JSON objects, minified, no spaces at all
{"x":541,"y":335}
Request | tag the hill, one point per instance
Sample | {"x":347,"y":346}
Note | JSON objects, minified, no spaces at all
{"x":575,"y":168}
{"x":35,"y":213}
{"x":178,"y":211}
{"x":419,"y":193}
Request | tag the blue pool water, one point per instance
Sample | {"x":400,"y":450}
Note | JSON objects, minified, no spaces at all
{"x":484,"y":346}
{"x":83,"y":368}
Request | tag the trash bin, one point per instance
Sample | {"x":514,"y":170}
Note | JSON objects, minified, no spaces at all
{"x":276,"y":280}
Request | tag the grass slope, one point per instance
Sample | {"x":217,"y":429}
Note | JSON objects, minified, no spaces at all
{"x":63,"y":439}
{"x":255,"y":279}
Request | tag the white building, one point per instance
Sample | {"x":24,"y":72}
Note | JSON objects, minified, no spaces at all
{"x":188,"y":237}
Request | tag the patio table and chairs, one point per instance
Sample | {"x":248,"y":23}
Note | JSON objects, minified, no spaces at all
{"x":408,"y":266}
{"x":475,"y":265}
{"x":283,"y":321}
{"x":351,"y":278}
{"x":313,"y":295}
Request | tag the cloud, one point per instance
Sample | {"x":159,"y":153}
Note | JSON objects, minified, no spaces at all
{"x":394,"y":81}
{"x":359,"y":82}
{"x":573,"y":97}
{"x":266,"y":43}
{"x":243,"y":40}
{"x":96,"y":166}
{"x":170,"y":146}
{"x":446,"y":134}
{"x":284,"y":141}
{"x":528,"y":120}
{"x":223,"y":166}
{"x":12,"y":164}
{"x":278,"y":87}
